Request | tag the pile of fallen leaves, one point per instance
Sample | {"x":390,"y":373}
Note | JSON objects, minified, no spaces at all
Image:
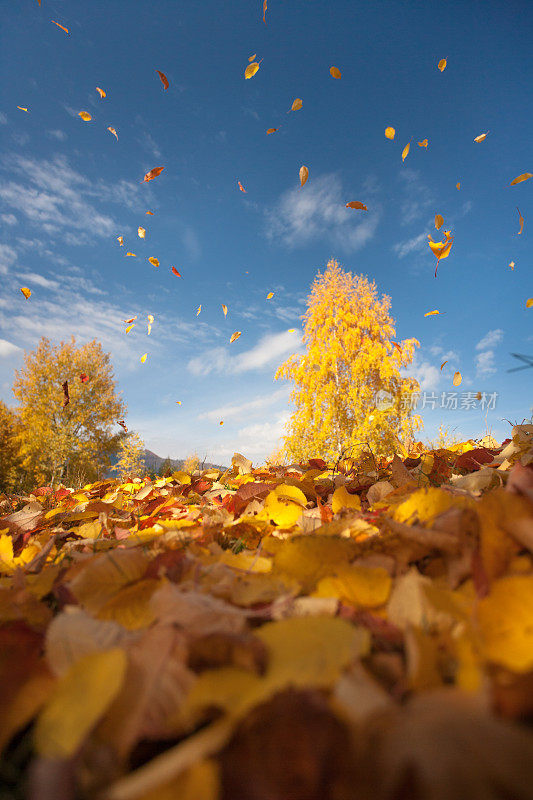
{"x":312,"y":632}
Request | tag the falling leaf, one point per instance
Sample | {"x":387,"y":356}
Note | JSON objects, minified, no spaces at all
{"x":59,"y":26}
{"x":66,"y":396}
{"x":178,"y":402}
{"x":442,"y":64}
{"x":128,"y":329}
{"x":250,"y":70}
{"x":481,"y":137}
{"x":270,"y":295}
{"x":153,"y":260}
{"x":224,"y":309}
{"x":524,"y":177}
{"x":241,"y":187}
{"x":264,"y":10}
{"x":120,"y":240}
{"x":131,"y":254}
{"x":84,"y":378}
{"x":164,"y":79}
{"x":356,"y":204}
{"x":251,"y":58}
{"x":101,"y":92}
{"x":390,"y":132}
{"x":86,"y":117}
{"x":143,"y":358}
{"x":431,"y":313}
{"x":439,"y":221}
{"x":153,"y":173}
{"x":442,"y":365}
{"x":397,"y":346}
{"x":149,"y":331}
{"x":296,"y":104}
{"x":405,"y":151}
{"x":132,"y":319}
{"x":511,"y":264}
{"x":198,"y":310}
{"x":520,"y":221}
{"x":335,"y":72}
{"x":304,"y":174}
{"x":141,"y":232}
{"x":175,"y":271}
{"x":122,"y":424}
{"x":271,"y":130}
{"x":291,"y":330}
{"x":151,"y":318}
{"x":423,"y":143}
{"x":529,"y":302}
{"x":26,"y":292}
{"x":113,"y":131}
{"x":151,"y":213}
{"x":458,"y":186}
{"x":234,"y":336}
{"x":457,"y":379}
{"x":23,"y":109}
{"x":221,"y":422}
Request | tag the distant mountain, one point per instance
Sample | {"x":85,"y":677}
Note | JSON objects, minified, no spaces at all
{"x":153,"y":462}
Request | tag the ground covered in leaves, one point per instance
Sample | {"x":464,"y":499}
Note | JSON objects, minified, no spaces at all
{"x":313,"y":632}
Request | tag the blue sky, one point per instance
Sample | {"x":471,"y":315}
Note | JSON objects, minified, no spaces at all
{"x":68,"y":189}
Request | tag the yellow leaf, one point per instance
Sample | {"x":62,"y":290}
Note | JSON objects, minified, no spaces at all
{"x":335,"y":72}
{"x":511,"y":264}
{"x":431,"y":313}
{"x":529,"y":302}
{"x":86,"y":117}
{"x":304,"y":174}
{"x":457,"y":379}
{"x":100,"y":92}
{"x":143,"y":358}
{"x":307,"y":559}
{"x":405,"y":151}
{"x":113,"y":131}
{"x":131,"y":254}
{"x":153,"y":260}
{"x":224,"y":309}
{"x":77,"y":703}
{"x":520,"y":221}
{"x":505,"y":620}
{"x":270,"y":295}
{"x":343,"y":499}
{"x":524,"y":177}
{"x":284,"y":505}
{"x":423,"y":505}
{"x":130,"y":606}
{"x":141,"y":232}
{"x":120,"y":240}
{"x":234,"y":336}
{"x":201,"y":780}
{"x":21,"y":108}
{"x":442,"y":64}
{"x":390,"y":132}
{"x":481,"y":137}
{"x":251,"y":58}
{"x":198,"y":310}
{"x":26,"y":292}
{"x":363,"y":586}
{"x":423,"y":143}
{"x":458,"y":186}
{"x":439,"y":221}
{"x":251,"y":69}
{"x":296,"y":104}
{"x":271,"y":130}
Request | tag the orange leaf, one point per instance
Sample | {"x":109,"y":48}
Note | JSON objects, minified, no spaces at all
{"x":101,"y":92}
{"x":457,"y":379}
{"x":304,"y":174}
{"x":86,"y":117}
{"x":356,"y":204}
{"x":131,"y":254}
{"x":164,"y":79}
{"x":251,"y":58}
{"x":529,"y":302}
{"x":178,"y":402}
{"x":60,"y":26}
{"x":458,"y":186}
{"x":520,"y":221}
{"x":390,"y":132}
{"x":270,"y":295}
{"x":141,"y":232}
{"x":128,"y":329}
{"x":271,"y":130}
{"x":442,"y":64}
{"x":153,"y":173}
{"x":26,"y":292}
{"x":224,"y":309}
{"x":524,"y":177}
{"x":335,"y":72}
{"x":431,"y":313}
{"x":264,"y":10}
{"x":198,"y":309}
{"x":241,"y":187}
{"x":113,"y":131}
{"x":250,"y":70}
{"x":151,"y":213}
{"x":175,"y":271}
{"x":439,"y":222}
{"x":122,"y":424}
{"x":481,"y":137}
{"x":84,"y":378}
{"x":296,"y":104}
{"x":23,"y":109}
{"x":234,"y":336}
{"x":442,"y":365}
{"x":153,"y":260}
{"x":405,"y":151}
{"x":132,"y":319}
{"x":511,"y":264}
{"x":397,"y":346}
{"x":221,"y":422}
{"x":423,"y":143}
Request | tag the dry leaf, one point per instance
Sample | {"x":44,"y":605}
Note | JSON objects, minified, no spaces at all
{"x":224,"y":309}
{"x":356,"y":204}
{"x":128,"y":329}
{"x":390,"y":132}
{"x":271,"y":130}
{"x":241,"y":187}
{"x":442,"y":64}
{"x":457,"y":379}
{"x":304,"y":174}
{"x":153,"y":173}
{"x":23,"y":109}
{"x":122,"y":424}
{"x":270,"y":295}
{"x":134,"y":255}
{"x":175,"y":271}
{"x":529,"y":302}
{"x":431,"y":313}
{"x":458,"y":186}
{"x":113,"y":131}
{"x":198,"y":310}
{"x":59,"y":26}
{"x":84,"y":378}
{"x":439,"y":221}
{"x":520,"y":221}
{"x":221,"y":422}
{"x":423,"y":143}
{"x":511,"y":264}
{"x":141,"y":232}
{"x":101,"y":92}
{"x":264,"y":10}
{"x":26,"y":292}
{"x":405,"y":151}
{"x":521,"y":178}
{"x":442,"y":365}
{"x":150,"y":213}
{"x":252,"y":58}
{"x":132,"y":319}
{"x":481,"y":137}
{"x":153,"y":260}
{"x":250,"y":70}
{"x":144,"y":357}
{"x":178,"y":402}
{"x":335,"y":72}
{"x":86,"y":117}
{"x":66,"y":396}
{"x":296,"y":104}
{"x":234,"y":336}
{"x":120,"y":240}
{"x":164,"y":79}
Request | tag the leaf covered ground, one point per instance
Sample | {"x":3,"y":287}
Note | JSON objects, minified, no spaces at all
{"x":313,"y":632}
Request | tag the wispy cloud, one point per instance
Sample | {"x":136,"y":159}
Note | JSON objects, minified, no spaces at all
{"x":417,"y":243}
{"x":490,"y":339}
{"x":8,"y":219}
{"x":268,"y":350}
{"x":8,"y":348}
{"x":250,"y":407}
{"x":318,"y":211}
{"x":417,"y":198}
{"x":59,"y":135}
{"x":8,"y":257}
{"x":485,"y":363}
{"x":3,"y":119}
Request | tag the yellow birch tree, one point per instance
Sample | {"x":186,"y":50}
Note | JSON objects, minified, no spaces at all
{"x":131,"y":462}
{"x":349,"y":395}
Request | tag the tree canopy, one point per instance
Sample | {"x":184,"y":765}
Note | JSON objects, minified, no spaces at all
{"x":68,"y":406}
{"x":349,"y":394}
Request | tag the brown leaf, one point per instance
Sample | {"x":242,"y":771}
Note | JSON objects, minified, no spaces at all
{"x":153,"y":173}
{"x":234,"y":336}
{"x":113,"y":131}
{"x":60,"y":26}
{"x":335,"y":72}
{"x":264,"y":10}
{"x":423,"y":143}
{"x":101,"y":92}
{"x":241,"y":650}
{"x":271,"y":130}
{"x":520,"y":221}
{"x":296,"y":104}
{"x":175,"y":271}
{"x":304,"y":174}
{"x":66,"y":398}
{"x":164,"y":79}
{"x":356,"y":204}
{"x":442,"y":64}
{"x":521,"y":178}
{"x":241,"y":187}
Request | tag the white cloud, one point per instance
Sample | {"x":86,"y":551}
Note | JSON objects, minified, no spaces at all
{"x":269,"y":349}
{"x":485,"y":363}
{"x":249,"y":407}
{"x":490,"y":339}
{"x":3,"y":119}
{"x":39,"y":280}
{"x":318,"y":211}
{"x":417,"y":197}
{"x":426,"y":373}
{"x":57,"y":134}
{"x":8,"y":257}
{"x":403,"y":249}
{"x":8,"y":219}
{"x":8,"y":348}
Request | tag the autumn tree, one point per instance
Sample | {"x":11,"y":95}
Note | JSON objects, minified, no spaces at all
{"x":131,"y":462}
{"x":11,"y":475}
{"x":348,"y":394}
{"x":68,"y":406}
{"x":192,"y":463}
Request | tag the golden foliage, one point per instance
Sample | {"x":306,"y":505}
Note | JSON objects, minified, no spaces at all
{"x":130,"y":462}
